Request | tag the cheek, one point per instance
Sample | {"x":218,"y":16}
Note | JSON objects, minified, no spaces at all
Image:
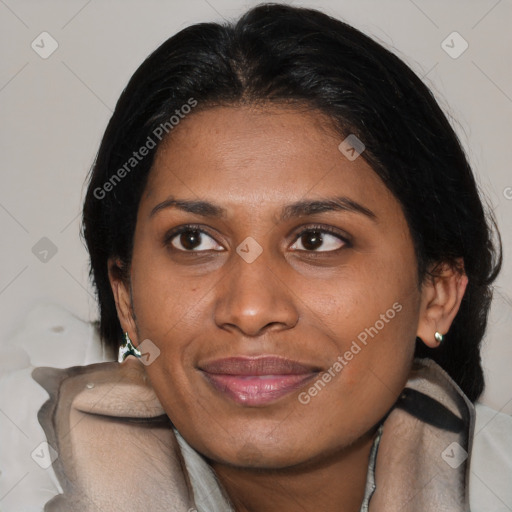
{"x":364,"y":301}
{"x":164,"y":301}
{"x":171,"y":310}
{"x":368,"y":369}
{"x":372,"y":316}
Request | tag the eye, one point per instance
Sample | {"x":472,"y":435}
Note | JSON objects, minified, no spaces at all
{"x":319,"y":237}
{"x":191,"y":239}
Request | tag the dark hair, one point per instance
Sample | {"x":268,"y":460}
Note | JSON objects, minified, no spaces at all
{"x":277,"y":53}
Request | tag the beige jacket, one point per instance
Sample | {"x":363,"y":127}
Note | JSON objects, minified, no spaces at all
{"x":117,"y":449}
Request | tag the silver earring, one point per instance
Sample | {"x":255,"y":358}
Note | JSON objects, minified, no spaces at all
{"x":439,"y":337}
{"x":127,"y":349}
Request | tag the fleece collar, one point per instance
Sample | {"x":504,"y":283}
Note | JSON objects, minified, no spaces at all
{"x":117,"y":449}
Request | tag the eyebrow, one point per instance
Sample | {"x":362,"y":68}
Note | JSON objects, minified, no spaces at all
{"x":297,"y":209}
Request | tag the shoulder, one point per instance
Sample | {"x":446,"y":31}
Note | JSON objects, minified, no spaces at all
{"x":491,"y":461}
{"x":90,"y":430}
{"x":115,"y":444}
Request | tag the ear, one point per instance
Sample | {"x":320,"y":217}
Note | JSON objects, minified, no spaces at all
{"x":121,"y":289}
{"x":441,"y":296}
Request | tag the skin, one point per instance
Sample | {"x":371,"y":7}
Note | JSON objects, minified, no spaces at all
{"x":306,"y":305}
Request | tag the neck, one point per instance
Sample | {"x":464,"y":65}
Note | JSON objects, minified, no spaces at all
{"x":334,"y":483}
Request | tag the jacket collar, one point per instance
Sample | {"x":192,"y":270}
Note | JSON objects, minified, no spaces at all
{"x":419,"y":461}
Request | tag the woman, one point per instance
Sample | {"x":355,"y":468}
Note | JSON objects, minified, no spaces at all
{"x":287,"y":240}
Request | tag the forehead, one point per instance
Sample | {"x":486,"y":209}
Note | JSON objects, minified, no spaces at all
{"x":254,"y":156}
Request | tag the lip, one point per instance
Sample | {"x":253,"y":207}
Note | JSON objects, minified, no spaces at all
{"x":254,"y":381}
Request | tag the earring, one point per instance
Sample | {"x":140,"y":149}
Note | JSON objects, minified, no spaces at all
{"x":127,"y":349}
{"x":439,"y":337}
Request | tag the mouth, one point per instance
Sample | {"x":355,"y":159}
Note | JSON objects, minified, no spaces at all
{"x":256,"y":381}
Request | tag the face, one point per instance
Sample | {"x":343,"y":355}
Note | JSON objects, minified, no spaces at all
{"x":280,"y":287}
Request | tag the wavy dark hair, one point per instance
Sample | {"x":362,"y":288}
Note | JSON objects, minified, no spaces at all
{"x":281,"y":54}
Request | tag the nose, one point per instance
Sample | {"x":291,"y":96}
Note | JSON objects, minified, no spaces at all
{"x":253,"y":298}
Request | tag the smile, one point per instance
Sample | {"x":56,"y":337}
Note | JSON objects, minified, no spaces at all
{"x":256,"y":381}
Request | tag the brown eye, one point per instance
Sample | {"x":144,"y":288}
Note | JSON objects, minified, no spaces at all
{"x":189,"y":240}
{"x":193,"y":240}
{"x":319,"y":241}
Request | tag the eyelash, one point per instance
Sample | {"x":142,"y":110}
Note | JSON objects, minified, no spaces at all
{"x":310,"y":228}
